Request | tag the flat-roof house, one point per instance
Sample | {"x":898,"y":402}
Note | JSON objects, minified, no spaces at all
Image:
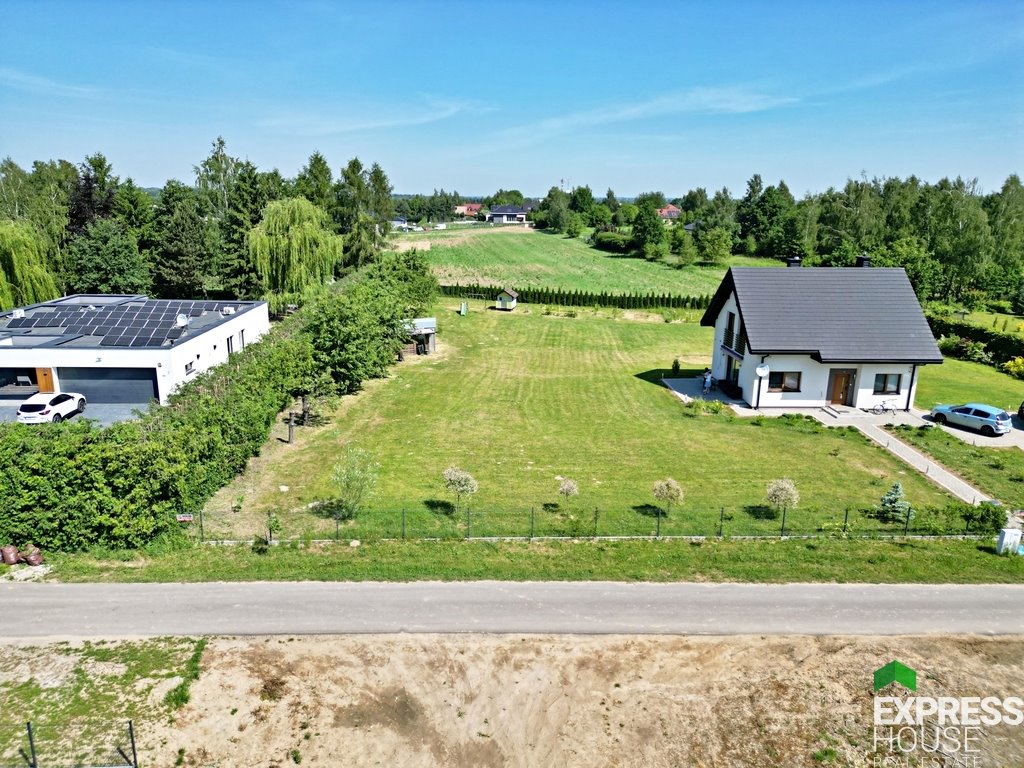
{"x":508,"y":214}
{"x":819,"y":336}
{"x":120,"y":348}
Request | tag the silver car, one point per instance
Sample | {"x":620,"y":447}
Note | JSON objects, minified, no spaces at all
{"x":987,"y":419}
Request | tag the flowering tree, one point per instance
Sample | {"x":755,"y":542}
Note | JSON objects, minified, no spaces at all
{"x":668,"y":492}
{"x":782,"y":493}
{"x":459,"y":482}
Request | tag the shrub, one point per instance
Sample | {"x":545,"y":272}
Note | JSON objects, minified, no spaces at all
{"x":893,"y":506}
{"x":1015,"y":367}
{"x":613,"y":242}
{"x":987,"y":518}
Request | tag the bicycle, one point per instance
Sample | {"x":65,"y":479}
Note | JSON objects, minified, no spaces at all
{"x":886,"y":405}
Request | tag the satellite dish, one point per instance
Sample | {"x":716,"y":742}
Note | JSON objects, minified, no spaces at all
{"x":762,"y":370}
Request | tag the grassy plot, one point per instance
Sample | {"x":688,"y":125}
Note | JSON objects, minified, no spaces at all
{"x":522,"y":401}
{"x":959,"y":381}
{"x":999,"y":472}
{"x":80,"y":697}
{"x":821,"y":560}
{"x":522,"y":258}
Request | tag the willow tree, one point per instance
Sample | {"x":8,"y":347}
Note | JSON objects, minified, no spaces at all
{"x":293,"y":250}
{"x":24,"y":275}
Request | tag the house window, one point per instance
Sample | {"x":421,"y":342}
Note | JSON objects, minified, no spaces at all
{"x":231,"y":344}
{"x":730,"y":331}
{"x":241,"y":338}
{"x":887,"y":383}
{"x":779,"y":381}
{"x":189,"y":369}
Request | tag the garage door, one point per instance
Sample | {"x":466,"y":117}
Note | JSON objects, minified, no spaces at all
{"x":110,"y":385}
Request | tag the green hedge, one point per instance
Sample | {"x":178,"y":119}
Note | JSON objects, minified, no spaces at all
{"x":575,"y":298}
{"x":69,"y":486}
{"x":1000,"y":346}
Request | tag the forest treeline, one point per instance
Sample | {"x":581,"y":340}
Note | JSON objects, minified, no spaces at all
{"x":234,"y":231}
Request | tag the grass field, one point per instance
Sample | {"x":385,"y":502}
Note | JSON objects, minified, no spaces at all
{"x":521,"y":258}
{"x":998,"y":322}
{"x":522,"y":400}
{"x":958,"y":381}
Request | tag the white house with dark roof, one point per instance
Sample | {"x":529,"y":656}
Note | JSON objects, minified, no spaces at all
{"x":506,"y":300}
{"x":120,"y":348}
{"x":819,"y":336}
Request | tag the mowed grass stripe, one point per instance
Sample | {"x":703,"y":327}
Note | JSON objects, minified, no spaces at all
{"x":521,"y":399}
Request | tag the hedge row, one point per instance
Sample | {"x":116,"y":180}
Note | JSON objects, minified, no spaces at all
{"x":68,"y":486}
{"x":1000,"y":346}
{"x":576,"y":298}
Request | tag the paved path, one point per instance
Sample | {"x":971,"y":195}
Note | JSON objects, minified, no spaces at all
{"x":113,"y":610}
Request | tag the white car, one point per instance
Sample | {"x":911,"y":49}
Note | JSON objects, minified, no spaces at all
{"x":50,"y":406}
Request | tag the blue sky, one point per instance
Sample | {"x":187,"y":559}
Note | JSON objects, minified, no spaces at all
{"x":635,"y":96}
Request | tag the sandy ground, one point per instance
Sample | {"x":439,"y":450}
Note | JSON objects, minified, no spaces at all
{"x":587,"y":701}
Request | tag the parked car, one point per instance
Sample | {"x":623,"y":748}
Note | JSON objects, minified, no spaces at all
{"x":50,"y":406}
{"x":987,"y":419}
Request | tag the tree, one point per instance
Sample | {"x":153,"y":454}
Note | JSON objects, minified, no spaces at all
{"x":354,"y":477}
{"x":382,"y":206}
{"x":611,"y":201}
{"x":714,"y":245}
{"x":553,"y":212}
{"x":567,"y":489}
{"x":647,"y":227}
{"x":315,"y":182}
{"x":574,"y":224}
{"x":656,"y":198}
{"x":247,"y":198}
{"x":133,"y":207}
{"x":106,"y":259}
{"x":460,"y":483}
{"x":24,"y":275}
{"x":782,"y":493}
{"x":185,"y":259}
{"x":683,"y":245}
{"x":668,"y":492}
{"x":957,"y":233}
{"x":214,"y":178}
{"x":93,"y":195}
{"x":581,"y":200}
{"x":600,"y":217}
{"x":1005,"y":211}
{"x":893,"y":507}
{"x":504,"y":197}
{"x":625,"y":214}
{"x":293,"y":250}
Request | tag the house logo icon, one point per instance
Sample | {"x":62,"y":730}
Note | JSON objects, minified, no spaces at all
{"x":894,"y":672}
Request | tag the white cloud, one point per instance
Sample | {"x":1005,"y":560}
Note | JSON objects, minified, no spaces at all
{"x":356,"y":119}
{"x":23,"y":81}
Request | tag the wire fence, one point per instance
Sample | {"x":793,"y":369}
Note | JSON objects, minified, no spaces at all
{"x":78,"y":743}
{"x":445,"y":521}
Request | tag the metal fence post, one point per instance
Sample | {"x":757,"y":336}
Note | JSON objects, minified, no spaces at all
{"x":846,"y":520}
{"x":595,"y":522}
{"x":782,"y":533}
{"x":468,"y":532}
{"x":202,"y":535}
{"x":657,"y":525}
{"x":531,"y":524}
{"x":131,"y":735}
{"x":403,"y":523}
{"x":33,"y":760}
{"x":721,"y":521}
{"x":906,"y":525}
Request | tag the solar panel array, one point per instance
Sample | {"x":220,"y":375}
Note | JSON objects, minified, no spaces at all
{"x":134,"y":324}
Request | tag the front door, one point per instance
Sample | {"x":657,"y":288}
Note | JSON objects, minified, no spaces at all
{"x":840,"y":388}
{"x":44,"y":379}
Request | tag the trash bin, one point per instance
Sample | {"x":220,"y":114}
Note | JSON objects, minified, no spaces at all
{"x":1008,"y":541}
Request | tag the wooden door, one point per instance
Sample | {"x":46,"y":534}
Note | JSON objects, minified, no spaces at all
{"x":44,"y":379}
{"x":840,"y":387}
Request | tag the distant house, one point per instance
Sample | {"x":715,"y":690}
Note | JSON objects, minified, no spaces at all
{"x":508,"y":214}
{"x":400,"y":224}
{"x":506,"y":300}
{"x":669,"y":212}
{"x":468,"y":210}
{"x":820,"y":336}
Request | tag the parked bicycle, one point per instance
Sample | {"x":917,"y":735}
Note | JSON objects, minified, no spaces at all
{"x":886,"y":405}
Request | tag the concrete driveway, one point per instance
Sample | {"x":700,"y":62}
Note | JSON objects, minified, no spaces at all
{"x":103,"y":414}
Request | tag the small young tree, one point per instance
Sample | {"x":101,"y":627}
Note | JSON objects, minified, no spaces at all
{"x":459,"y":482}
{"x":893,"y":507}
{"x":782,"y":493}
{"x":354,"y":478}
{"x":567,"y":489}
{"x":668,"y":492}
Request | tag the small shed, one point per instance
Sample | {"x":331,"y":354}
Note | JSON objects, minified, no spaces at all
{"x":506,"y":300}
{"x":422,"y":331}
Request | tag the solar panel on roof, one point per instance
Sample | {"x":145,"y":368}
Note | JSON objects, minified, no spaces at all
{"x":139,"y":342}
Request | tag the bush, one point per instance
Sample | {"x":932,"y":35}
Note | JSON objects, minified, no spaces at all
{"x":613,"y":242}
{"x":893,"y":507}
{"x":1015,"y":367}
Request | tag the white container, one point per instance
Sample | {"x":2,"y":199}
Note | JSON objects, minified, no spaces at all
{"x":1008,"y":541}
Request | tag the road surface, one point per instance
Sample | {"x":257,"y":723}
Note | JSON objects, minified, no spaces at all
{"x":280,"y":608}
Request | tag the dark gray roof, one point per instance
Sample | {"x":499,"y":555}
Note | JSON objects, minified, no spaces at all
{"x":834,"y":314}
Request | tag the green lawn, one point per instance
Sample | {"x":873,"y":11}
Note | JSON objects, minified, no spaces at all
{"x":523,"y":258}
{"x":822,"y":560}
{"x":958,"y":381}
{"x":521,"y":400}
{"x":999,"y":472}
{"x":998,"y":322}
